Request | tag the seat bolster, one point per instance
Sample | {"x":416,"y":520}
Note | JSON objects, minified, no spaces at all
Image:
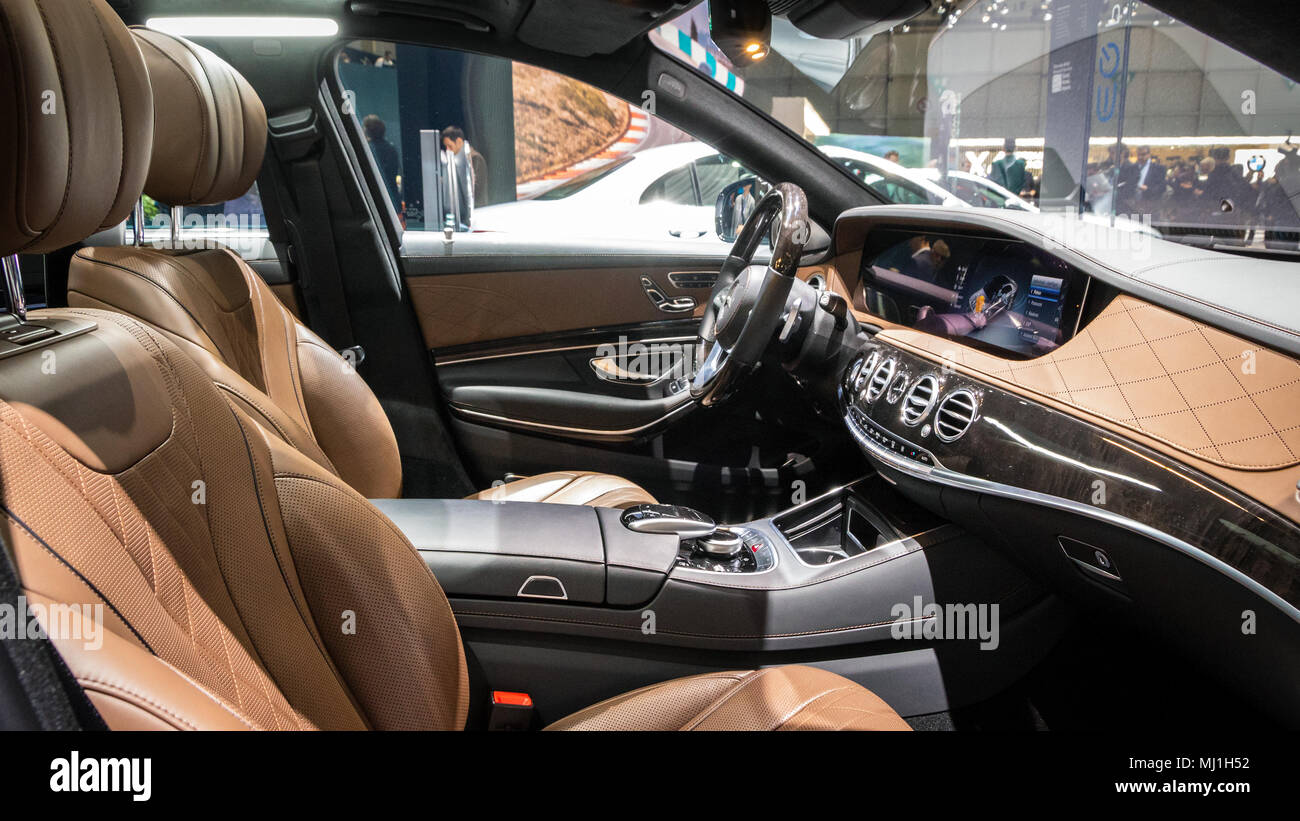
{"x":570,"y":487}
{"x":348,"y":422}
{"x":774,"y":698}
{"x":382,"y":615}
{"x":135,"y":690}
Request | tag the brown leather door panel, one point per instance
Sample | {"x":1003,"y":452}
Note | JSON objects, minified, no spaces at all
{"x":457,"y":309}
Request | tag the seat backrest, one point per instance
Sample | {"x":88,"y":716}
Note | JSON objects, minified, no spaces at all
{"x":208,"y":147}
{"x":212,"y":576}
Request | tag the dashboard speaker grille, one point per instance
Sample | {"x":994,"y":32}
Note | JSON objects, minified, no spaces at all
{"x":880,"y":380}
{"x":920,"y":399}
{"x":954,"y":415}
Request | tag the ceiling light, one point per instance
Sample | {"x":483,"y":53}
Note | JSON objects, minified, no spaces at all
{"x":245,"y":26}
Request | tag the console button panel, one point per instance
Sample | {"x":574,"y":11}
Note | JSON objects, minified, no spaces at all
{"x":756,"y":556}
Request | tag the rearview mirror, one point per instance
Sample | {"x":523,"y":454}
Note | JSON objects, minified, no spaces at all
{"x":734,"y":205}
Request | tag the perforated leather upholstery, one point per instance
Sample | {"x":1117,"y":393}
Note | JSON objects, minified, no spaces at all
{"x":233,"y":582}
{"x":208,"y":146}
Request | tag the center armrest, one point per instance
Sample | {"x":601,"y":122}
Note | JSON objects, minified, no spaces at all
{"x":533,"y":550}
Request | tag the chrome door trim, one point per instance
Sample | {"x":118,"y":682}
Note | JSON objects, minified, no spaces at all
{"x":526,"y":423}
{"x":460,"y":360}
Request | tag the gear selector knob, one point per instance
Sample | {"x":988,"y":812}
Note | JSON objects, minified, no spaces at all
{"x":721,"y":544}
{"x":686,"y":522}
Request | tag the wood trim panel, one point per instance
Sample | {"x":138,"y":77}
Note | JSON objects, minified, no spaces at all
{"x":1166,"y":381}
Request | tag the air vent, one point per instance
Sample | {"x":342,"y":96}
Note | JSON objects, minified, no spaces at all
{"x":868,"y":365}
{"x":954,"y":415}
{"x":896,"y":388}
{"x":879,"y":380}
{"x":920,"y":399}
{"x":854,"y":372}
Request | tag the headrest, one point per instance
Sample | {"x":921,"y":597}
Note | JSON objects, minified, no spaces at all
{"x":209,"y":138}
{"x":75,"y":115}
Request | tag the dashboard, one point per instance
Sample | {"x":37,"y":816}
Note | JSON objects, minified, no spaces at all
{"x":1096,"y":436}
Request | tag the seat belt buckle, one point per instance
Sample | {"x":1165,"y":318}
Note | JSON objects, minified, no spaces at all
{"x":510,"y":711}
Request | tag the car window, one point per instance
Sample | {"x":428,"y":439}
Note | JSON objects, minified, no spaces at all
{"x":973,"y":193}
{"x":675,"y":187}
{"x":1089,"y":108}
{"x":239,"y":224}
{"x":582,"y":181}
{"x":715,"y":173}
{"x":894,"y":189}
{"x":477,"y":143}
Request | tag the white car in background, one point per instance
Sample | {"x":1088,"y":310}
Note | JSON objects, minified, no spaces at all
{"x":981,"y":192}
{"x":670,"y":191}
{"x":974,"y":190}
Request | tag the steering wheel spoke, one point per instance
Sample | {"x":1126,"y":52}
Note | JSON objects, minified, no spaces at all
{"x":744,"y":308}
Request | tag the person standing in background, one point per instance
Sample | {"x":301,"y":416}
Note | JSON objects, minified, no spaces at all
{"x":390,"y":165}
{"x":470,"y":164}
{"x":1143,"y":183}
{"x":1009,"y":170}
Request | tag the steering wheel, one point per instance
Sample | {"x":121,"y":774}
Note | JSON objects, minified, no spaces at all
{"x":747,"y":301}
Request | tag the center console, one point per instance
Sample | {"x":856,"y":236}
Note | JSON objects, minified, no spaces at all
{"x":574,"y":603}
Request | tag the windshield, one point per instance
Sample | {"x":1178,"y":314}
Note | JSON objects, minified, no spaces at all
{"x":1090,"y":107}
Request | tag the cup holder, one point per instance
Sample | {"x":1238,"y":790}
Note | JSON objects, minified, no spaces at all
{"x":833,"y":529}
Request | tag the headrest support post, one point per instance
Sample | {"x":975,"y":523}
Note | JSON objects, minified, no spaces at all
{"x":14,"y":287}
{"x":137,"y":219}
{"x":178,"y":216}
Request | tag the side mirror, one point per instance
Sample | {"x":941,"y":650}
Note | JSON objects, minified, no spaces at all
{"x":734,"y":205}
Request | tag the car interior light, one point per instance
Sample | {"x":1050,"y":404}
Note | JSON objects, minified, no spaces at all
{"x":741,"y":29}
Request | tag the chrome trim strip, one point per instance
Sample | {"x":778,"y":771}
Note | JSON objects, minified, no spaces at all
{"x":564,"y":594}
{"x":464,"y":411}
{"x":835,"y":491}
{"x":960,"y":480}
{"x":458,"y":360}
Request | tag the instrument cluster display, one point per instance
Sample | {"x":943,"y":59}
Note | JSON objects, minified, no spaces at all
{"x":995,"y":293}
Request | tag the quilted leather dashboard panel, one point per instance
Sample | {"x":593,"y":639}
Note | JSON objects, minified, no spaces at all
{"x":1202,"y":391}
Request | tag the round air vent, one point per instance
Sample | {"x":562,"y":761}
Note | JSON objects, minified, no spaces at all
{"x":896,"y":388}
{"x":879,"y":380}
{"x":920,"y":399}
{"x":868,"y":365}
{"x":854,"y":372}
{"x":954,"y":415}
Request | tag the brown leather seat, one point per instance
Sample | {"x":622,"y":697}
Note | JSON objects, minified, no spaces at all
{"x":209,"y":143}
{"x":219,"y":561}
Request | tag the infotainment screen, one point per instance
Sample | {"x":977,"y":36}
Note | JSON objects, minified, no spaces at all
{"x":992,"y":292}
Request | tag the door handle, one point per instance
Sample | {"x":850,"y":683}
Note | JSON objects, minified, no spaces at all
{"x":657,"y":297}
